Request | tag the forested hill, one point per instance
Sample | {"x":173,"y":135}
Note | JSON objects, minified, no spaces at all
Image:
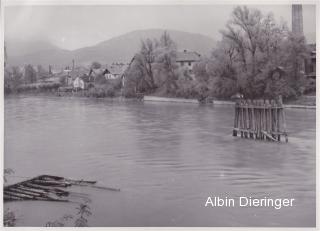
{"x":117,"y":49}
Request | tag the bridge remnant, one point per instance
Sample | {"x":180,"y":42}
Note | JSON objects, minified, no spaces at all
{"x":260,"y":119}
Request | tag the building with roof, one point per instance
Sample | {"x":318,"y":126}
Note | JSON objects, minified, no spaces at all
{"x":94,"y":73}
{"x":311,"y":63}
{"x":82,"y":82}
{"x":186,"y":59}
{"x":116,"y":70}
{"x":78,"y":83}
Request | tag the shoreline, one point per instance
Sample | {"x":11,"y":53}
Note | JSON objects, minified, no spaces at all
{"x":148,"y":99}
{"x":214,"y":102}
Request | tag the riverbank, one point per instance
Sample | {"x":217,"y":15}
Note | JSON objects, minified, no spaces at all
{"x":298,"y":104}
{"x":214,"y":102}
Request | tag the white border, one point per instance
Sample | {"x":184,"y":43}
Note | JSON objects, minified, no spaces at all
{"x":4,"y":3}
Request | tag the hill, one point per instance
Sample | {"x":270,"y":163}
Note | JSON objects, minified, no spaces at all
{"x":117,"y":49}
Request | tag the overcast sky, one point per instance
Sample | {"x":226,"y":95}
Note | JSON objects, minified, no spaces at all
{"x":72,"y":27}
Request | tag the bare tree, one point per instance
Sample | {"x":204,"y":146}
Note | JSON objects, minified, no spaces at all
{"x":30,"y":74}
{"x":166,"y":62}
{"x":257,"y":47}
{"x":144,"y":62}
{"x":95,"y":65}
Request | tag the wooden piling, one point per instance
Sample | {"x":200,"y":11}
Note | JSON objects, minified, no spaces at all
{"x":260,"y":119}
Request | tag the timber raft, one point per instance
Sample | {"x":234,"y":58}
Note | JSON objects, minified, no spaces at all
{"x":45,"y":188}
{"x":260,"y":119}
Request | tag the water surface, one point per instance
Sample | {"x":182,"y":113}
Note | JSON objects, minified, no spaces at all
{"x":166,"y":158}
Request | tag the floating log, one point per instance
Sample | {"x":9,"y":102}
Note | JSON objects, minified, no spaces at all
{"x":44,"y":187}
{"x":260,"y":119}
{"x":49,"y":177}
{"x":27,"y":192}
{"x":10,"y":197}
{"x":106,"y":188}
{"x":20,"y":195}
{"x":52,"y":183}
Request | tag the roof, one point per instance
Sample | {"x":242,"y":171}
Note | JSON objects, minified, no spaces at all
{"x":311,"y":47}
{"x":85,"y":78}
{"x":187,"y":56}
{"x":117,"y":69}
{"x":96,"y":72}
{"x":311,"y":74}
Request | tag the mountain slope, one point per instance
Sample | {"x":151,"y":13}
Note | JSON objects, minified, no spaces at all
{"x":117,"y":49}
{"x":22,"y":52}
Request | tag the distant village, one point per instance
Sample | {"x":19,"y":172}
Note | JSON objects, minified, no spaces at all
{"x":75,"y":78}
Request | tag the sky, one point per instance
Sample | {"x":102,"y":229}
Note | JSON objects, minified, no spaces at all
{"x":72,"y":27}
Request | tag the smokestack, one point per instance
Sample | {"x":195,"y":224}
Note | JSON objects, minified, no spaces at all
{"x":5,"y":54}
{"x":297,"y":19}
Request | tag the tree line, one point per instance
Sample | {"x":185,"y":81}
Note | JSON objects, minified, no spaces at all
{"x":256,"y":57}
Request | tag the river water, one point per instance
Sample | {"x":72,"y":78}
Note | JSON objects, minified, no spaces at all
{"x":166,"y":158}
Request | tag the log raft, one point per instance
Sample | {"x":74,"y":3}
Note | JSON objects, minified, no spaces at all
{"x":44,"y":187}
{"x":260,"y":119}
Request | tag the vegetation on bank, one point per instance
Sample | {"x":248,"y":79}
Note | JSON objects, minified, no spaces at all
{"x":80,"y":219}
{"x":256,"y":57}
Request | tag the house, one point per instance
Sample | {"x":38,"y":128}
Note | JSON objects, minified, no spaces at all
{"x":116,"y":70}
{"x":67,"y":70}
{"x":78,"y":83}
{"x":310,"y":62}
{"x":186,"y":59}
{"x":93,"y":73}
{"x":113,"y":71}
{"x":82,"y":82}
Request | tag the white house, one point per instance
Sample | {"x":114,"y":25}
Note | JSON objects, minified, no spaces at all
{"x":79,"y":83}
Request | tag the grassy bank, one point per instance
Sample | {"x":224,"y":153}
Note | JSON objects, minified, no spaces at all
{"x":305,"y":101}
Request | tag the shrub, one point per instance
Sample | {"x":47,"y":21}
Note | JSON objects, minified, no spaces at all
{"x":102,"y":91}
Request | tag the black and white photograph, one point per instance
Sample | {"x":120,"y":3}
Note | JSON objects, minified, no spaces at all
{"x":179,"y":114}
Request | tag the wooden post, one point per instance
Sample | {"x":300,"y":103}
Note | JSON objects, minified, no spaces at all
{"x":260,"y":119}
{"x":246,"y":127}
{"x":284,"y":120}
{"x":253,"y":119}
{"x":236,"y":119}
{"x":241,"y":118}
{"x":264,"y":117}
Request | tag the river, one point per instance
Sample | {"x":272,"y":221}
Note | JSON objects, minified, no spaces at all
{"x":166,"y":158}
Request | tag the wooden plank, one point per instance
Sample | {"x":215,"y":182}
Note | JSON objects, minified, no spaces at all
{"x":20,"y":195}
{"x":269,"y":135}
{"x":30,"y":189}
{"x":51,"y":183}
{"x":24,"y":192}
{"x":45,"y":187}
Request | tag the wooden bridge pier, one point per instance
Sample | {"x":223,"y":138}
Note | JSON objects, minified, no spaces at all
{"x":260,"y":119}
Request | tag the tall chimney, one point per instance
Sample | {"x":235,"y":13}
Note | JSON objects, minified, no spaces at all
{"x":5,"y":54}
{"x":297,"y":28}
{"x":297,"y":19}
